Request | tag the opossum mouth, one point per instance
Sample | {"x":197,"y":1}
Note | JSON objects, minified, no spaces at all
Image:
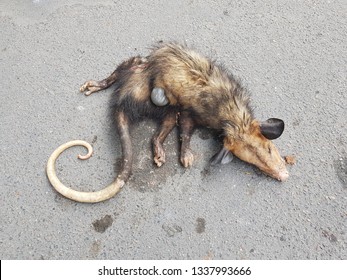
{"x":281,"y":173}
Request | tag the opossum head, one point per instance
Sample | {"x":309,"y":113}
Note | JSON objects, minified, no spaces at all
{"x":252,"y":143}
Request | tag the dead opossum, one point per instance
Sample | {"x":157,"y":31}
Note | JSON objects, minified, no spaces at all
{"x":192,"y":89}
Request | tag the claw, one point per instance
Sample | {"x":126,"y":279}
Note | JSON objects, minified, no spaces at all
{"x":159,"y":161}
{"x":83,"y":87}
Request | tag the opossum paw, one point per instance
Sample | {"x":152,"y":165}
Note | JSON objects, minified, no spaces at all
{"x":159,"y":153}
{"x":90,"y":87}
{"x":187,"y":158}
{"x":159,"y":160}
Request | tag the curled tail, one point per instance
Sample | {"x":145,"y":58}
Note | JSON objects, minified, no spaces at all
{"x":109,"y":191}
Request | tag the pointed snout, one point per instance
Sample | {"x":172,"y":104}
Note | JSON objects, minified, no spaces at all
{"x":282,"y":175}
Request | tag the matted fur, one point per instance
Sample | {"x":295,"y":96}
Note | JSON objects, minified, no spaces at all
{"x":192,"y":82}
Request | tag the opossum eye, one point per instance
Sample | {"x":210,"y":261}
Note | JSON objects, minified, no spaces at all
{"x":158,"y":97}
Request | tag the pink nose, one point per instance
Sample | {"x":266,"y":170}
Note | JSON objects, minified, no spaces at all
{"x":283,"y":175}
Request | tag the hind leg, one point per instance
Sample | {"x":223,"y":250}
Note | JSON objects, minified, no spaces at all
{"x":94,"y":86}
{"x":167,"y":125}
{"x":135,"y":64}
{"x":187,"y":126}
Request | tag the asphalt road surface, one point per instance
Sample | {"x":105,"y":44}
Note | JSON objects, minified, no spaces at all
{"x":290,"y":54}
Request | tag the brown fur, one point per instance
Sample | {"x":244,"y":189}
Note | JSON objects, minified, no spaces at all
{"x":199,"y":85}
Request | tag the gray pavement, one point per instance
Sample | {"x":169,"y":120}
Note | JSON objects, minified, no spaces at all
{"x":290,"y":54}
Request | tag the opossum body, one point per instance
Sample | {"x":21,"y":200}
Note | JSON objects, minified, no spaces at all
{"x":174,"y":80}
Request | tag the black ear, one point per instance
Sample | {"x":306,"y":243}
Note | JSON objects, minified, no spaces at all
{"x":224,"y":156}
{"x":272,"y":128}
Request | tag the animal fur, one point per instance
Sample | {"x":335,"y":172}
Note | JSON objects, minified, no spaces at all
{"x":201,"y":92}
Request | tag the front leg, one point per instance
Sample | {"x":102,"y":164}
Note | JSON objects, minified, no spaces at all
{"x":187,"y":126}
{"x":168,"y":123}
